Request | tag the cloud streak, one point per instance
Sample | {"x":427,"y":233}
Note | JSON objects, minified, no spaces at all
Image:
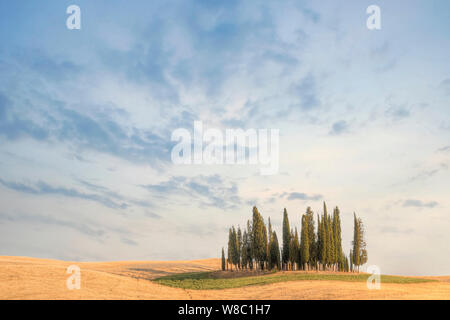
{"x":301,"y":196}
{"x":50,"y":220}
{"x":113,"y":200}
{"x":420,"y":204}
{"x":210,"y":190}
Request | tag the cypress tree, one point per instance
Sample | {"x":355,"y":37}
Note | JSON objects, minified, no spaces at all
{"x":239,"y":246}
{"x":323,"y":244}
{"x":296,"y":251}
{"x":274,"y":252}
{"x":265,"y":258}
{"x":293,"y":249}
{"x":311,"y":236}
{"x":304,"y":243}
{"x":270,"y":231}
{"x":326,"y":233}
{"x":359,"y":243}
{"x":351,"y":260}
{"x":337,"y":237}
{"x":230,"y":248}
{"x":364,"y":256}
{"x":356,"y":241}
{"x":319,"y":241}
{"x":250,"y":255}
{"x":259,"y":238}
{"x":223,"y":259}
{"x":244,"y":251}
{"x":331,"y":259}
{"x":286,"y":239}
{"x":235,"y":248}
{"x":269,"y":240}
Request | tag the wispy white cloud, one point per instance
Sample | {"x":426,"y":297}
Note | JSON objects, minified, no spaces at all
{"x":419,"y":204}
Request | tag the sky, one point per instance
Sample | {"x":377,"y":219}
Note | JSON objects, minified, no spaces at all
{"x":86,"y":118}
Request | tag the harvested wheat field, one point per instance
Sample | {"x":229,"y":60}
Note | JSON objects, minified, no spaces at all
{"x":30,"y":278}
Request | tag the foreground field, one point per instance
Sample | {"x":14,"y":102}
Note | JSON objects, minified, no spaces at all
{"x":28,"y":278}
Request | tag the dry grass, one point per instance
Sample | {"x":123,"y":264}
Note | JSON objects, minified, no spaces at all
{"x":29,"y":278}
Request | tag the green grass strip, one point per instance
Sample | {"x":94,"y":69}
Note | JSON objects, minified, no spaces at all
{"x":208,"y":280}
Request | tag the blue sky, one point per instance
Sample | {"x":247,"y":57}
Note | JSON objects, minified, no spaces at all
{"x":86,"y":118}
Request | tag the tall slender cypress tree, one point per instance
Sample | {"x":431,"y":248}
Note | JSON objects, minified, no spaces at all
{"x":259,"y":238}
{"x":327,"y":244}
{"x":359,"y":243}
{"x":364,"y":255}
{"x":223,"y":259}
{"x":304,"y":243}
{"x":265,"y":257}
{"x":235,"y":248}
{"x":239,"y":246}
{"x":311,"y":237}
{"x":356,"y":241}
{"x":331,"y":259}
{"x":286,"y":239}
{"x":293,"y":249}
{"x":230,"y":248}
{"x":319,"y":241}
{"x":274,"y":261}
{"x":296,"y":251}
{"x":351,"y":260}
{"x":244,"y":250}
{"x":324,"y":242}
{"x":250,"y":254}
{"x":337,"y":238}
{"x":270,"y":230}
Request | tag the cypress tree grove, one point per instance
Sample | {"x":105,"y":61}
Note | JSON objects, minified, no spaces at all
{"x":257,"y":246}
{"x":286,"y":239}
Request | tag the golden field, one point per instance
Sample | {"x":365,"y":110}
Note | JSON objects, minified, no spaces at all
{"x":30,"y":278}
